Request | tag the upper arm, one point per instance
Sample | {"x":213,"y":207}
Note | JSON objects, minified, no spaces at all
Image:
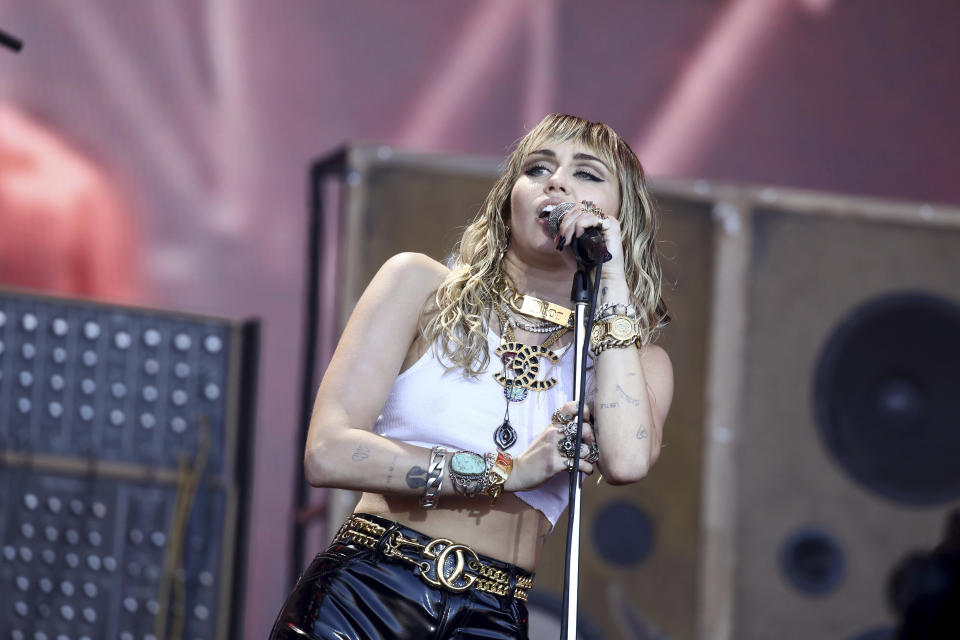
{"x":373,"y":345}
{"x":658,"y":371}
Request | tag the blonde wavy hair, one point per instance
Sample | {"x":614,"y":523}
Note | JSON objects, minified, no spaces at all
{"x":455,"y":321}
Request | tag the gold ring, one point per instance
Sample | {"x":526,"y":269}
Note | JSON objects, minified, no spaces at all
{"x":559,"y":418}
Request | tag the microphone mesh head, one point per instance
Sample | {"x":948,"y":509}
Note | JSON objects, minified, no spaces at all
{"x":556,"y":216}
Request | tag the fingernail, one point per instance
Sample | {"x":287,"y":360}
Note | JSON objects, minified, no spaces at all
{"x":560,"y":245}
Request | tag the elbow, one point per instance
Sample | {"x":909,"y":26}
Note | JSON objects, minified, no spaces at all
{"x":316,"y":465}
{"x":625,"y":473}
{"x":620,"y":472}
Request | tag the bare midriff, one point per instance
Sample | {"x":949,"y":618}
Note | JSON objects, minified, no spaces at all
{"x":511,"y":531}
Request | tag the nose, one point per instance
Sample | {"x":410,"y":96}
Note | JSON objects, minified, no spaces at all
{"x":556,"y":183}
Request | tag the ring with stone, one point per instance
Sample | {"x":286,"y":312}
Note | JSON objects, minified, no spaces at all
{"x":560,"y":418}
{"x":567,"y":447}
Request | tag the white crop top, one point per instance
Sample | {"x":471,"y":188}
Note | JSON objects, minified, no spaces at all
{"x":431,"y":406}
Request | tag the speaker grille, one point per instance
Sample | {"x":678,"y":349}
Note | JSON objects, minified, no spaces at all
{"x":886,"y":396}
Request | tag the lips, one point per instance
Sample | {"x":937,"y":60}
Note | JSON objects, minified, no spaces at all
{"x":548,"y":206}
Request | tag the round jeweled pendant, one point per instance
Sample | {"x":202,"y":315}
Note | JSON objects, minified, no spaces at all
{"x":505,"y":436}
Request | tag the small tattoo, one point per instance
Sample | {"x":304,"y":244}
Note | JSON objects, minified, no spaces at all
{"x":417,"y":478}
{"x":609,"y":405}
{"x":393,"y":465}
{"x":627,"y":397}
{"x":603,"y":292}
{"x":361,"y":453}
{"x":641,"y":433}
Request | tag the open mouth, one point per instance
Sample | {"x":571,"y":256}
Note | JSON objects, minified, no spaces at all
{"x":546,"y":211}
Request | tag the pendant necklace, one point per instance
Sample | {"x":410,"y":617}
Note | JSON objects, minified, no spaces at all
{"x":521,"y":365}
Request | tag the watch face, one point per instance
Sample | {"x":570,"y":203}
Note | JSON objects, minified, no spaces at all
{"x":468,"y":463}
{"x":621,"y":328}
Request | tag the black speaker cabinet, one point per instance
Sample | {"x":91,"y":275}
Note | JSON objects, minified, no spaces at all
{"x":811,"y":443}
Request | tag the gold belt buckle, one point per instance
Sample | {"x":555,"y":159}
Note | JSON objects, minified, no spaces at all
{"x":458,"y":579}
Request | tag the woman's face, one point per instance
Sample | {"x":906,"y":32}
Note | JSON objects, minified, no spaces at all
{"x":552,"y":173}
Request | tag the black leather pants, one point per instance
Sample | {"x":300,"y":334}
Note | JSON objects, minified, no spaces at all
{"x":350,"y":592}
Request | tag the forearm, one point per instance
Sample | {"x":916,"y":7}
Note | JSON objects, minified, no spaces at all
{"x":628,"y":438}
{"x":359,"y":460}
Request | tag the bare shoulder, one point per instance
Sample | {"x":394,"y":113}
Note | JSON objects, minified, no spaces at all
{"x":411,"y":273}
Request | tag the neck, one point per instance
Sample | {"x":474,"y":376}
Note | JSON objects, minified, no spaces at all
{"x":551,"y":283}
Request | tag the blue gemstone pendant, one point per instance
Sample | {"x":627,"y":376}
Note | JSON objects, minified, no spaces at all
{"x":515,"y":392}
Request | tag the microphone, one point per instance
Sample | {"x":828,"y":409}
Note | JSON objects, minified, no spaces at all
{"x":589,"y":247}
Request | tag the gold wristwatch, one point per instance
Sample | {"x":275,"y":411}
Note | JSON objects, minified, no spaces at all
{"x":615,"y":330}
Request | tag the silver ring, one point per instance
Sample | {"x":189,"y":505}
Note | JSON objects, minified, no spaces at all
{"x":593,"y":453}
{"x":567,"y":430}
{"x":560,"y":418}
{"x":567,"y":447}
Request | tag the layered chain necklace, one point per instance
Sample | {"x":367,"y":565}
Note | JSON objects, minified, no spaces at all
{"x":521,"y":362}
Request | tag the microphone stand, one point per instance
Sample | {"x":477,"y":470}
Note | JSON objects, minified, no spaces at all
{"x":584,"y":302}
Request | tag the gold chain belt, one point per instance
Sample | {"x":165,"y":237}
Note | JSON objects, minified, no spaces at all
{"x":442,"y":562}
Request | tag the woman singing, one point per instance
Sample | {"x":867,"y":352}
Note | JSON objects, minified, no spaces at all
{"x":448,"y":402}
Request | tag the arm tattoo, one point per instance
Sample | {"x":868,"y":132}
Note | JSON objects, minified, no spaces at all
{"x":603,"y":292}
{"x":627,"y":397}
{"x":641,"y":433}
{"x":417,"y":478}
{"x":361,"y":453}
{"x":393,"y":465}
{"x":609,"y":405}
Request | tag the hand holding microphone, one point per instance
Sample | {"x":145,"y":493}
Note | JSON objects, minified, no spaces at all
{"x":589,"y":247}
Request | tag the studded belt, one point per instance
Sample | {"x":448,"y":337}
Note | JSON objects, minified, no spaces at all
{"x":441,"y":562}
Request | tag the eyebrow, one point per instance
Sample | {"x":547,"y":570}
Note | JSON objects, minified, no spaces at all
{"x":576,"y":156}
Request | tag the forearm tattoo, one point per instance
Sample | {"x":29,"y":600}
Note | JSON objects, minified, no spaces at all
{"x":641,"y":433}
{"x":626,"y":396}
{"x":393,"y":465}
{"x":417,"y":478}
{"x":361,"y":453}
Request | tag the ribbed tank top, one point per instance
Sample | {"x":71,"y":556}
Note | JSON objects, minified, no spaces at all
{"x":430,"y":405}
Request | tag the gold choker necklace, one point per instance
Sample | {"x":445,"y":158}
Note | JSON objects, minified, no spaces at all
{"x":536,"y":307}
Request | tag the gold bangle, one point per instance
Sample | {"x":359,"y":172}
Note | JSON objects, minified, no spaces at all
{"x":499,"y":466}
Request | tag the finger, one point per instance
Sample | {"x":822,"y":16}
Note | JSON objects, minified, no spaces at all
{"x":569,"y":408}
{"x":567,"y":222}
{"x":576,"y":223}
{"x":586,"y":434}
{"x":585,"y":466}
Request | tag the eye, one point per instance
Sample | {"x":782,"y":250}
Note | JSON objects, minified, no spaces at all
{"x":588,"y":176}
{"x":536,"y":170}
